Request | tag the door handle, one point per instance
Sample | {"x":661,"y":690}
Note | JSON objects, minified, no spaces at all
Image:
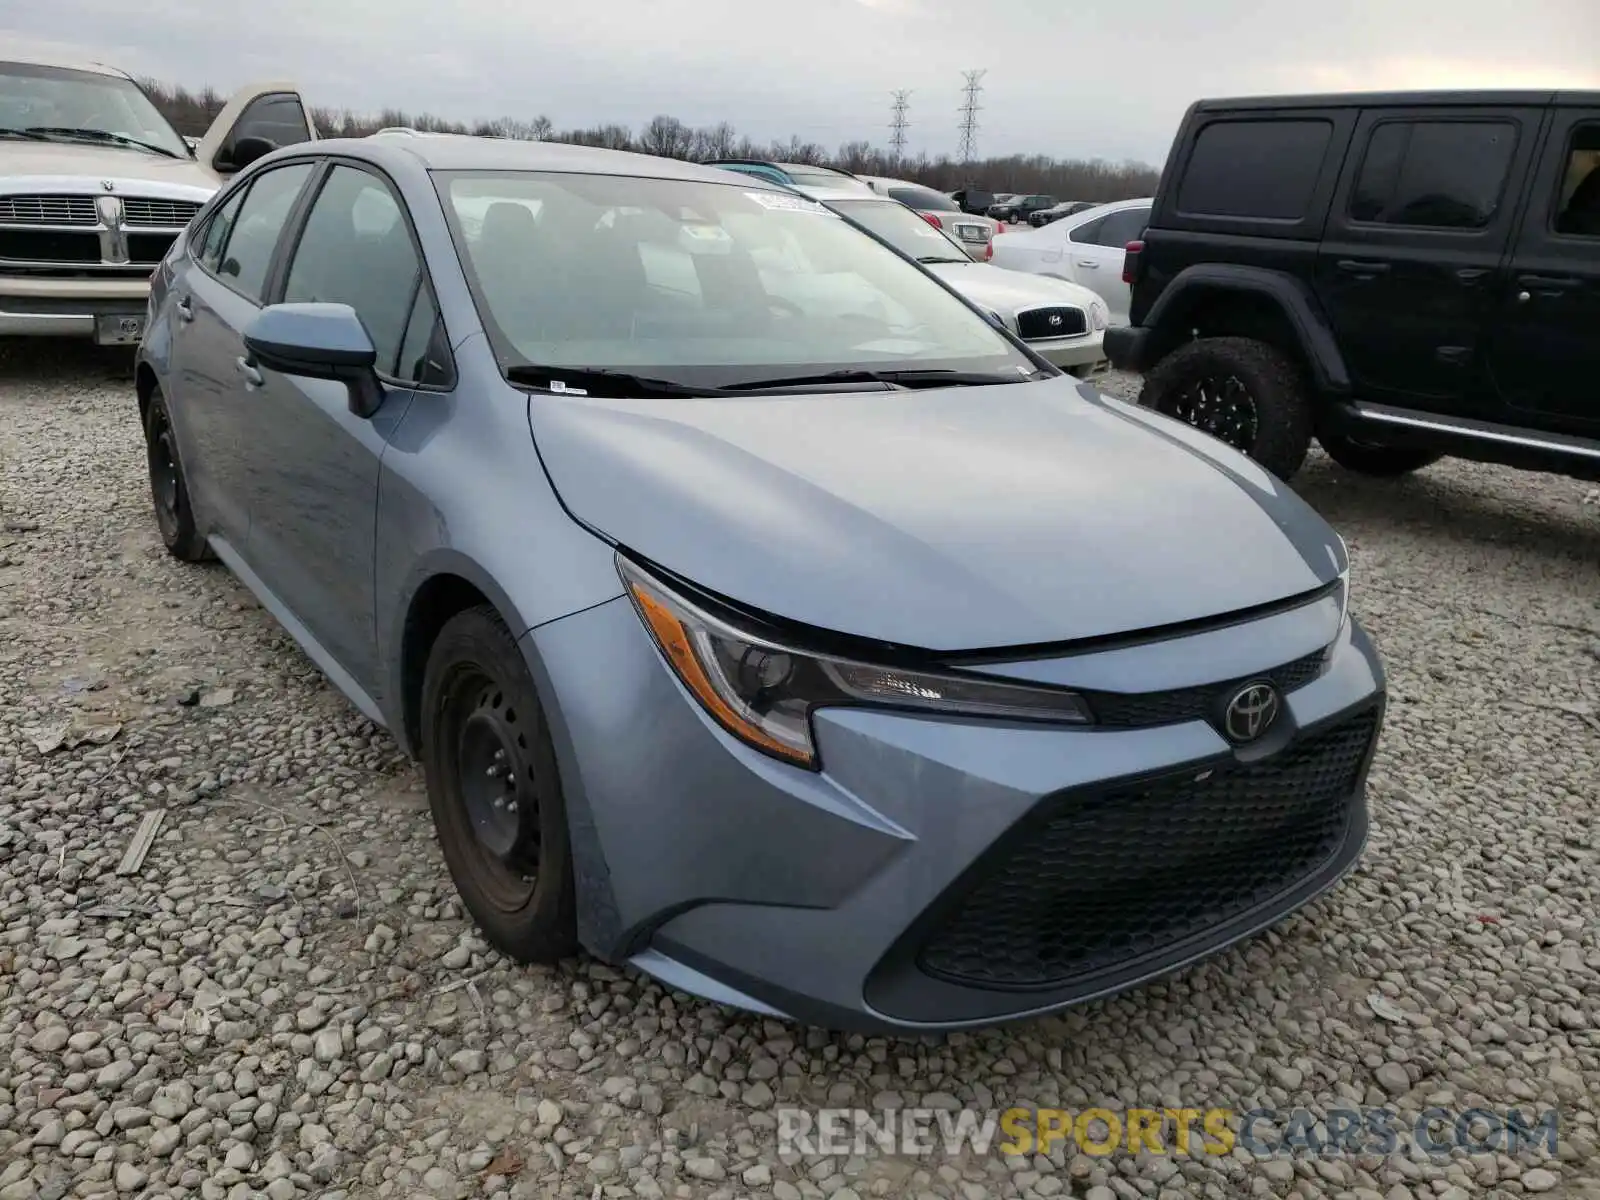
{"x":1549,"y":283}
{"x":252,"y":376}
{"x":1365,"y":270}
{"x":1472,"y":275}
{"x":1090,"y":263}
{"x":185,"y":308}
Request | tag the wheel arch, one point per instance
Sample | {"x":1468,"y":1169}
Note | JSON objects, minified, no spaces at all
{"x":1227,"y":300}
{"x":447,"y":585}
{"x":145,"y":384}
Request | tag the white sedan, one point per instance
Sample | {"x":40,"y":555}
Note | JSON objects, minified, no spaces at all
{"x":1061,"y":322}
{"x":1085,"y":248}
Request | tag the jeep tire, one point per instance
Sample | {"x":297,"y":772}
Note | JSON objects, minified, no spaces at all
{"x":1244,"y":392}
{"x":1368,"y":458}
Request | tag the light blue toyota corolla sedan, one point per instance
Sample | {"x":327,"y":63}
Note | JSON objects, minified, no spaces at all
{"x":763,"y":617}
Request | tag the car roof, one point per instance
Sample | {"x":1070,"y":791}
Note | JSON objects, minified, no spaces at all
{"x":464,"y":152}
{"x":814,"y":167}
{"x":66,"y":64}
{"x":828,"y":195}
{"x":1487,"y":99}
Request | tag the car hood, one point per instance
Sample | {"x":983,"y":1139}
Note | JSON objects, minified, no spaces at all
{"x":1010,"y":291}
{"x":963,"y":518}
{"x":127,"y":169}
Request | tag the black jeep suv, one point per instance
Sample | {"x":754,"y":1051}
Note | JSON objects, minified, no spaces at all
{"x":1400,"y":276}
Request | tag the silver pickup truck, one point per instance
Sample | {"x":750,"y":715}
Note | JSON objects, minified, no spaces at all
{"x":95,"y":184}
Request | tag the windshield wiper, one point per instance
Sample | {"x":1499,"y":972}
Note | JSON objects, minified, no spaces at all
{"x":26,"y":134}
{"x":892,"y":378}
{"x":97,"y":135}
{"x":584,"y":381}
{"x":936,"y":258}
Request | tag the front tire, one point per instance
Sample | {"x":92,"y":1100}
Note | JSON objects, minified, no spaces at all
{"x":495,"y":791}
{"x":169,"y":489}
{"x":1244,"y":392}
{"x":1379,"y":461}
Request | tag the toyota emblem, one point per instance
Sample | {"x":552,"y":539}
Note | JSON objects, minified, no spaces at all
{"x":1251,"y":712}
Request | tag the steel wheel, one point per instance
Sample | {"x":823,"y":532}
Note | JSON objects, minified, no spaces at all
{"x":165,"y":490}
{"x":494,"y":780}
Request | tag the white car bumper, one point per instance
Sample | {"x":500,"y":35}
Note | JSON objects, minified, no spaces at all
{"x":1069,"y":353}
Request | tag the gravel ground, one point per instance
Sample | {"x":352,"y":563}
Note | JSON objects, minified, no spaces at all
{"x":285,"y":999}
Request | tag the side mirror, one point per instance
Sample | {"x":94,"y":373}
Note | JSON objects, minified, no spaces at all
{"x":244,"y":151}
{"x":319,"y":341}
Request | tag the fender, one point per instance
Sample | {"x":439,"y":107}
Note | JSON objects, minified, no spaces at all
{"x":1139,"y":348}
{"x":392,"y":619}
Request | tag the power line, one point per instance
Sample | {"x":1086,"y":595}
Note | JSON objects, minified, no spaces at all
{"x":898,"y":123}
{"x":969,"y":114}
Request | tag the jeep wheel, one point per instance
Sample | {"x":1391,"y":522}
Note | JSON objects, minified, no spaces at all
{"x":1241,"y":391}
{"x":1367,"y":458}
{"x":494,"y":790}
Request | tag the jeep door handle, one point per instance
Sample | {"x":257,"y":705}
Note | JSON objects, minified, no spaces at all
{"x":185,"y":308}
{"x":1366,"y":270}
{"x":1472,"y":275}
{"x":252,"y":377}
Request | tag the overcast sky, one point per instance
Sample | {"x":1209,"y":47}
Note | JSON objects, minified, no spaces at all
{"x":1069,"y":78}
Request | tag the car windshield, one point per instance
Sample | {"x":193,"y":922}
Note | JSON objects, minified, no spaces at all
{"x":60,"y":104}
{"x":908,"y":233}
{"x":700,"y":283}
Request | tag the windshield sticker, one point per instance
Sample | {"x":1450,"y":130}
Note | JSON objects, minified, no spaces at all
{"x":784,"y":202}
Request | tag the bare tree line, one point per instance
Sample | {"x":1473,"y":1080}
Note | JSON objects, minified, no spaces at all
{"x":1067,"y":179}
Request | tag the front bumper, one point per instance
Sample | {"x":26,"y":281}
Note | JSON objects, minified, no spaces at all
{"x":1085,"y":350}
{"x":89,"y":308}
{"x":940,"y":874}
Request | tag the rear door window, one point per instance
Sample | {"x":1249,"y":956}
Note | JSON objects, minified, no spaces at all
{"x":1434,"y":174}
{"x":1255,"y":169}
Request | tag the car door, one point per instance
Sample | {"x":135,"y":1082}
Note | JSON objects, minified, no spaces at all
{"x":1414,"y":252}
{"x":316,"y":464}
{"x":213,"y":299}
{"x":1094,"y":255}
{"x":273,"y":112}
{"x":1544,"y":354}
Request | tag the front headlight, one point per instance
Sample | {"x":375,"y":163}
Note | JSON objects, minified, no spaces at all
{"x":764,"y":693}
{"x":1099,"y":315}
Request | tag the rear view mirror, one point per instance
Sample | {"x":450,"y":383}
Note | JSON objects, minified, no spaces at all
{"x":318,"y":341}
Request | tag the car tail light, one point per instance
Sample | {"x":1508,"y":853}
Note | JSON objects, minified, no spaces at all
{"x":933,"y":219}
{"x":988,"y":250}
{"x":1130,"y":261}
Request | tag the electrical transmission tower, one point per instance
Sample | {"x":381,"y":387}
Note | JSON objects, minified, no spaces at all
{"x":969,"y":114}
{"x":898,"y":124}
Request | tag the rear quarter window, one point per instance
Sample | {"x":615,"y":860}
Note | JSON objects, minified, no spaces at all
{"x":1265,"y":170}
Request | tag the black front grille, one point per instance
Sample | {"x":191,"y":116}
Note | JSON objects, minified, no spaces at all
{"x":49,"y":245}
{"x":149,"y":247}
{"x":1036,"y":324}
{"x":1103,"y":879}
{"x":1136,"y":710}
